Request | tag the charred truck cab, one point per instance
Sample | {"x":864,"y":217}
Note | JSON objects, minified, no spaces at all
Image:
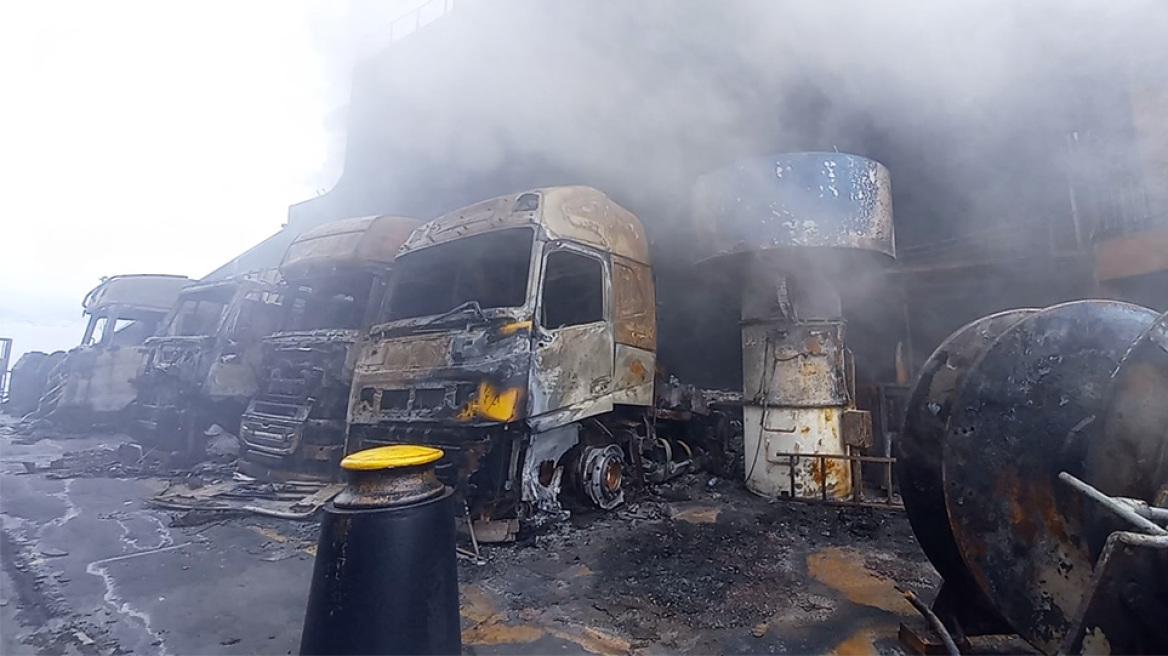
{"x":94,"y":382}
{"x":201,"y":369}
{"x":520,"y":336}
{"x":334,"y":275}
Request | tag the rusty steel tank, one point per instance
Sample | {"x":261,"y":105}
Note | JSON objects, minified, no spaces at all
{"x":796,"y":228}
{"x":1007,"y":411}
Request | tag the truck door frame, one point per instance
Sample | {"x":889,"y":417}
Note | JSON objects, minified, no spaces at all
{"x":593,"y":344}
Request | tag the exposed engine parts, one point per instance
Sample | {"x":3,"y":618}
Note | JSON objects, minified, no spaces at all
{"x":202,"y":366}
{"x":1010,"y":422}
{"x":519,"y":335}
{"x":334,"y":275}
{"x":669,"y":458}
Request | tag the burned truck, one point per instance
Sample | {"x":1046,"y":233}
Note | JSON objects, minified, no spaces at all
{"x":520,"y":335}
{"x":531,"y":337}
{"x":202,"y":368}
{"x":94,"y":383}
{"x":333,"y":275}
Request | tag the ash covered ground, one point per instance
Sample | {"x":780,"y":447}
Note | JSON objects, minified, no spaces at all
{"x":691,"y":566}
{"x":698,"y":568}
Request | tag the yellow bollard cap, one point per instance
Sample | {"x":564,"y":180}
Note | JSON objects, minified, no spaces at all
{"x":390,"y":457}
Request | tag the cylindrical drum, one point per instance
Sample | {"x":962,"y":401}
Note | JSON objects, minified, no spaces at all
{"x":386,"y":579}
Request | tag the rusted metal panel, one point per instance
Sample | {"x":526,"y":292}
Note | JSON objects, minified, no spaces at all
{"x":1128,"y":452}
{"x":633,"y":376}
{"x":1124,"y":609}
{"x":1132,"y":255}
{"x":771,"y":434}
{"x":580,"y":214}
{"x":414,"y":353}
{"x":799,"y":365}
{"x":634,"y":301}
{"x":590,"y":217}
{"x":856,"y":428}
{"x":368,"y":242}
{"x":826,"y":200}
{"x":1020,"y":420}
{"x":1149,"y":103}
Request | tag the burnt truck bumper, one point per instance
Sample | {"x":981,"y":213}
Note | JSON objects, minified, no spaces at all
{"x":281,"y":441}
{"x":477,"y":460}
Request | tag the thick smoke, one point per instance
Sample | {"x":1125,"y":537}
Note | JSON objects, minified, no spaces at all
{"x":969,"y":104}
{"x":988,"y":115}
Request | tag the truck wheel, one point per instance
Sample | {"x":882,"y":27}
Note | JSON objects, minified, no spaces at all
{"x":602,"y":475}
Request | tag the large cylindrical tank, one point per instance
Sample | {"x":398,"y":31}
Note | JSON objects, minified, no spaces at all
{"x":794,"y":228}
{"x":1004,"y":407}
{"x":921,"y":445}
{"x":796,"y":201}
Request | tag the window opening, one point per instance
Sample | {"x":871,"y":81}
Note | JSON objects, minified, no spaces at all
{"x":573,"y":290}
{"x":490,"y":269}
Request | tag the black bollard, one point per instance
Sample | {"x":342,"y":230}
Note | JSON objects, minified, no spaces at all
{"x":385,"y":579}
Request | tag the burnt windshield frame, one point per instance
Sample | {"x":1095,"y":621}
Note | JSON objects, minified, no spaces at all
{"x":334,"y":301}
{"x":491,"y":268}
{"x":209,"y":305}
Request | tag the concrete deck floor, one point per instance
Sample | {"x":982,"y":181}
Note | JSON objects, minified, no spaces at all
{"x":89,"y":568}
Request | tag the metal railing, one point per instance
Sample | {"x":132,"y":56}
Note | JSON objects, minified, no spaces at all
{"x":5,"y":368}
{"x":855,"y":463}
{"x":424,"y":14}
{"x":408,"y":23}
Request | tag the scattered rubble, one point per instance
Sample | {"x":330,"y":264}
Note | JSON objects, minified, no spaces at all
{"x":211,"y":486}
{"x":123,"y":461}
{"x":291,"y":500}
{"x":221,"y":445}
{"x":681,"y":563}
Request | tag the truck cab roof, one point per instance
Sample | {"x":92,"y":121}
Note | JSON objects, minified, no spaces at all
{"x":576,"y":213}
{"x":137,"y":291}
{"x":369,"y":242}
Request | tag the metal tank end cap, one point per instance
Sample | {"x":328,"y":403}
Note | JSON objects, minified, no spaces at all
{"x":391,"y":457}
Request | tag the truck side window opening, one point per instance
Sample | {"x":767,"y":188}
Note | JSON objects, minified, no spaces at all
{"x":199,"y":313}
{"x":127,"y":332}
{"x":259,"y":315}
{"x":573,"y":290}
{"x":98,"y":332}
{"x":196,"y":318}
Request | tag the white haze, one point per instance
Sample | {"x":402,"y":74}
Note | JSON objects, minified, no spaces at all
{"x":168,"y":137}
{"x":155,"y":137}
